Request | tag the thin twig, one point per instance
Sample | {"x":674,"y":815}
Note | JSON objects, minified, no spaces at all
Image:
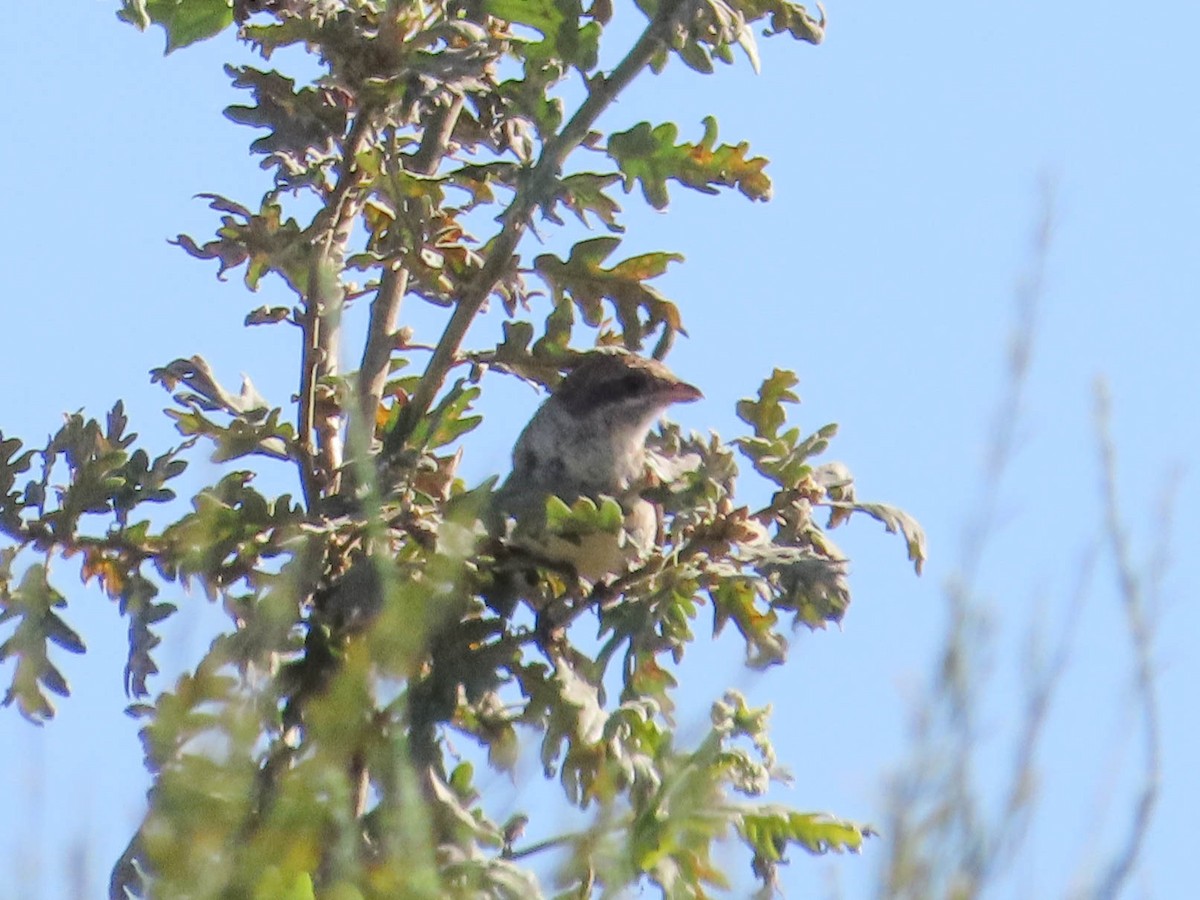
{"x":1001,"y":449}
{"x":566,"y":839}
{"x":939,"y":836}
{"x":1141,"y":638}
{"x":516,"y":218}
{"x":1013,"y":822}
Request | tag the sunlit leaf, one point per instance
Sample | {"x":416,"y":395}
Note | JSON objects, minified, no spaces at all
{"x":650,"y":156}
{"x":184,"y":21}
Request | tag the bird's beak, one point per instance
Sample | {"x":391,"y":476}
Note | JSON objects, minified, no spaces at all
{"x":682,"y":392}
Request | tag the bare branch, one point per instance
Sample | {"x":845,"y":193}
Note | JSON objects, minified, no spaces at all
{"x":941,"y":842}
{"x":1141,"y":637}
{"x":1001,"y":450}
{"x":1043,"y":683}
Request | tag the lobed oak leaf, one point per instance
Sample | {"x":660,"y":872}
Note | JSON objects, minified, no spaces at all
{"x":184,"y":21}
{"x":648,"y":155}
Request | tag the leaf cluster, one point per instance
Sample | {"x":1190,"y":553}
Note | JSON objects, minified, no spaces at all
{"x":79,"y":503}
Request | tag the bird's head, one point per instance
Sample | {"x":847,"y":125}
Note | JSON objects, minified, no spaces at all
{"x":590,"y":436}
{"x":623,"y":391}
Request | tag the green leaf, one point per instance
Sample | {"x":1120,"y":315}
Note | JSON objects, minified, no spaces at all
{"x":304,"y":123}
{"x":649,"y":155}
{"x":264,"y":241}
{"x":784,"y":457}
{"x":584,"y":516}
{"x":447,"y":421}
{"x":271,"y":437}
{"x":554,"y":346}
{"x":713,"y":29}
{"x":276,"y":884}
{"x":583,"y":193}
{"x":639,"y":308}
{"x":184,"y":21}
{"x":145,"y":482}
{"x":531,"y":101}
{"x":786,"y":17}
{"x":268,"y":37}
{"x":12,"y":463}
{"x":896,"y":521}
{"x":103,"y":477}
{"x":769,"y":829}
{"x":268,"y":315}
{"x":479,"y":180}
{"x":803,"y":581}
{"x":137,"y":603}
{"x":32,"y":604}
{"x":229,"y":533}
{"x":738,"y":599}
{"x":574,"y":715}
{"x":766,"y":415}
{"x":558,"y":21}
{"x":198,"y":375}
{"x":254,"y":426}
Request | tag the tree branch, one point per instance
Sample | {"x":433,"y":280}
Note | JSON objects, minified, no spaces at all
{"x":939,"y":836}
{"x":1141,"y":637}
{"x":385,"y":308}
{"x":603,"y":90}
{"x":321,"y":322}
{"x":436,"y":138}
{"x":309,"y":328}
{"x":372,"y":373}
{"x":566,"y":840}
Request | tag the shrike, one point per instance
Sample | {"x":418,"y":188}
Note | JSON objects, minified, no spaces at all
{"x":589,"y":440}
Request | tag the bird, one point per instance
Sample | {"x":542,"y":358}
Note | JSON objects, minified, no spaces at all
{"x":588,"y":440}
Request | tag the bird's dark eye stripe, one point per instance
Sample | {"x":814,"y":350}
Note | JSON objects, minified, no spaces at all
{"x":631,"y":383}
{"x":605,"y":380}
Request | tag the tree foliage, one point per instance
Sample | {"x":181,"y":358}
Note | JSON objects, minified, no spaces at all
{"x":310,"y":750}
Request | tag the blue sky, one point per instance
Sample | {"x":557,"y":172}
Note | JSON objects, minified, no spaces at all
{"x":908,"y":154}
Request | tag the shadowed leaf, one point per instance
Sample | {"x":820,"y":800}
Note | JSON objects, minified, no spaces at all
{"x":31,"y":604}
{"x":581,"y":278}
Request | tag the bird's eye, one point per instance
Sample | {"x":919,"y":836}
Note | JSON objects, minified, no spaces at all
{"x":630,"y":384}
